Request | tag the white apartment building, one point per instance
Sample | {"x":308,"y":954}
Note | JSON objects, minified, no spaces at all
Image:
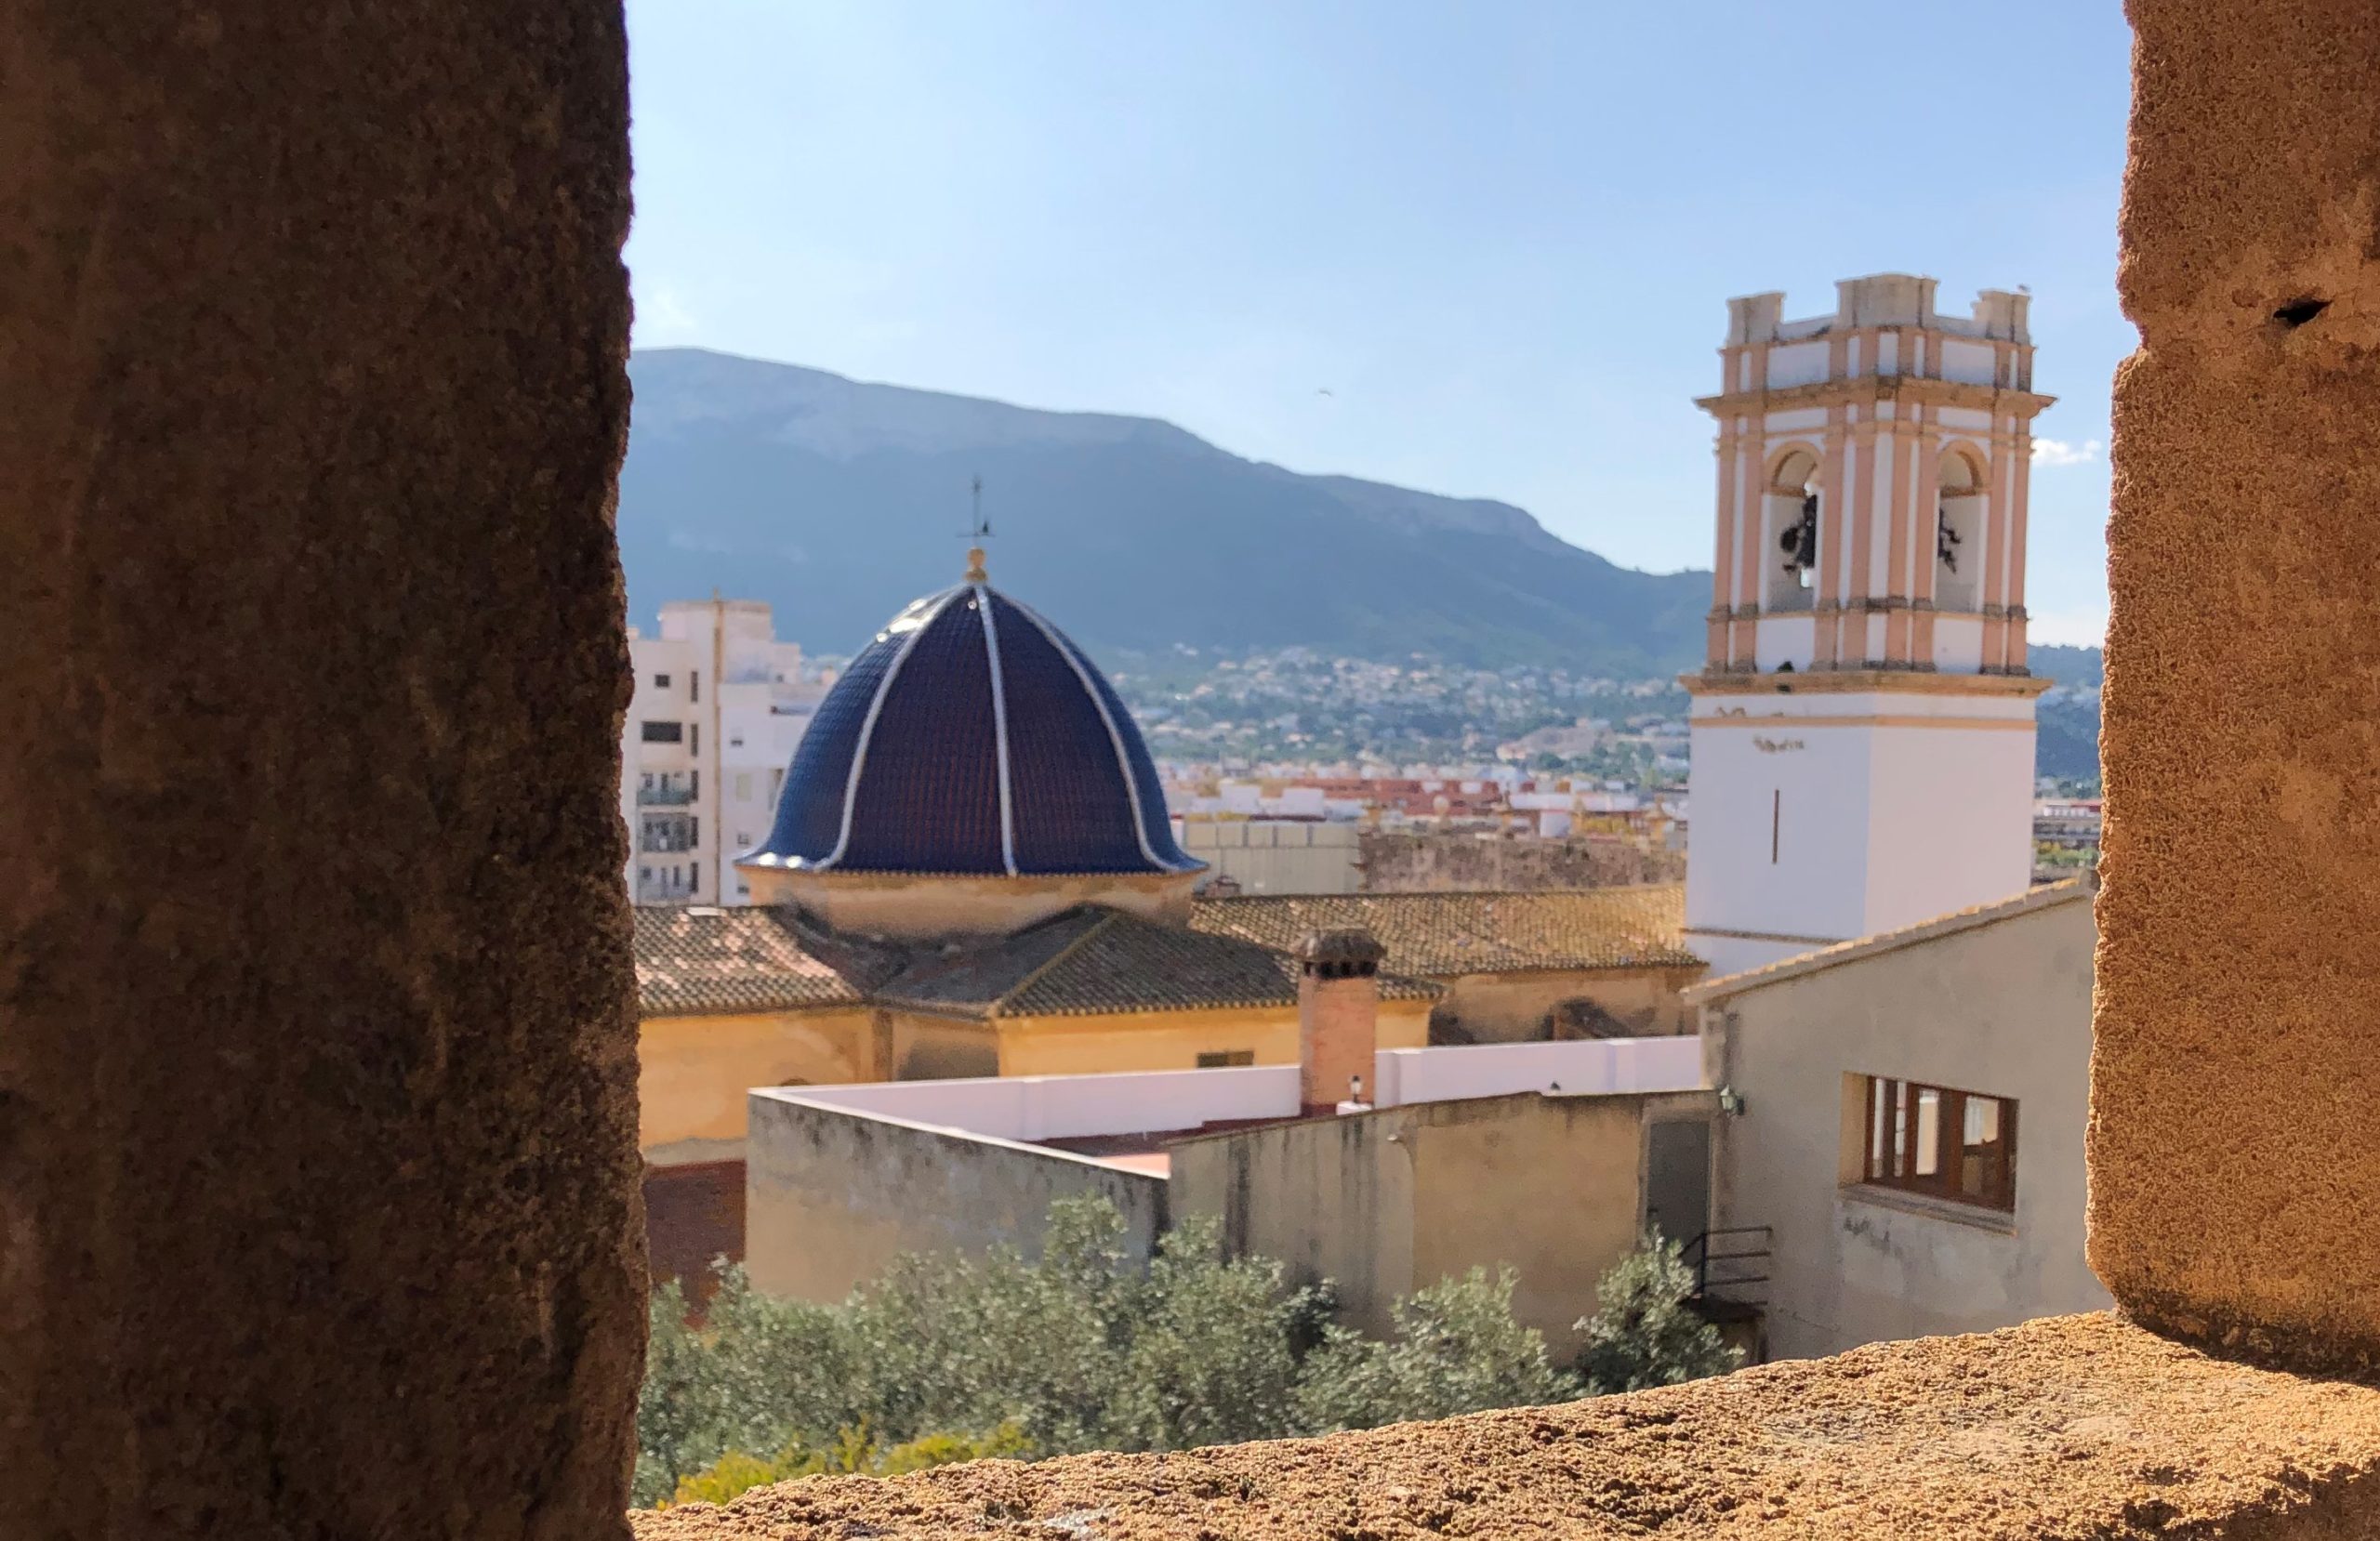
{"x":719,"y":706}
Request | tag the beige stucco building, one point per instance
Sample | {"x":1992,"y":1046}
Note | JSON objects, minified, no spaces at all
{"x":1911,"y":1125}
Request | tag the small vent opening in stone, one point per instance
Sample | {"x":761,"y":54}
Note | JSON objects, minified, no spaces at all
{"x":2297,"y":312}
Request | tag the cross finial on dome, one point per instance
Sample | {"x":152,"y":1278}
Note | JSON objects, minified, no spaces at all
{"x":981,"y":532}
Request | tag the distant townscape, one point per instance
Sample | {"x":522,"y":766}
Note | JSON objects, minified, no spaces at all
{"x":1414,"y":996}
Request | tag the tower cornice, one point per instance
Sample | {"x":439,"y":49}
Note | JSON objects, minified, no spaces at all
{"x":1860,"y":388}
{"x":1849,"y":681}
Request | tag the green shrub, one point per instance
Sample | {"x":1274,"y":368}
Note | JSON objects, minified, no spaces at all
{"x":1643,"y":1333}
{"x":852,"y":1452}
{"x":1083,"y":1348}
{"x":1456,"y":1350}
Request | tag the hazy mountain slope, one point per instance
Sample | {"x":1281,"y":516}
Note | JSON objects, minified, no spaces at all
{"x":839,"y":501}
{"x":2069,"y":741}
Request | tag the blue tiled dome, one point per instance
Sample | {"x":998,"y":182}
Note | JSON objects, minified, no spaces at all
{"x":971,"y":737}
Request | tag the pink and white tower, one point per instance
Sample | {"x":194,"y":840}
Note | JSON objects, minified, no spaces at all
{"x":1863,"y":726}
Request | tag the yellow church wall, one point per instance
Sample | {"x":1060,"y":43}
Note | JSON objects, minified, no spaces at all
{"x":692,"y":1071}
{"x":1173,"y":1040}
{"x":922,"y":1048}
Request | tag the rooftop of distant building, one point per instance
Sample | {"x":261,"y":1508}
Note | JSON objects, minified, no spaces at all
{"x":1443,"y":934}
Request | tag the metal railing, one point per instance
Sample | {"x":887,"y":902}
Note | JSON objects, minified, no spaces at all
{"x":1734,"y":1258}
{"x":664,"y":797}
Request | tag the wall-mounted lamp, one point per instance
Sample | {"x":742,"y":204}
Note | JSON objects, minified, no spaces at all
{"x":1732,"y":1101}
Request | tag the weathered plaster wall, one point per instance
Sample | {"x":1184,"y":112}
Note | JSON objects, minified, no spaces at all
{"x":1552,"y":1186}
{"x":1388,"y":1202}
{"x":1504,"y":1009}
{"x":919,"y":1047}
{"x":317,"y":1054}
{"x":2232,"y":1147}
{"x":2003,"y":1009}
{"x":1331,"y":1198}
{"x":832,"y":1195}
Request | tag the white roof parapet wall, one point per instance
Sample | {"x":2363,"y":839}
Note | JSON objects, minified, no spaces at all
{"x":1065,"y":1107}
{"x":1029,"y":1108}
{"x":1448,"y":1074}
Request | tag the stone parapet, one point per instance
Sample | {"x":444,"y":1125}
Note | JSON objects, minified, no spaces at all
{"x":2077,"y":1425}
{"x":2236,"y":1064}
{"x":318,"y":1206}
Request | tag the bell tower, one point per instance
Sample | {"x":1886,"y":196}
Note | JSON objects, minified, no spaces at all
{"x":1863,"y":724}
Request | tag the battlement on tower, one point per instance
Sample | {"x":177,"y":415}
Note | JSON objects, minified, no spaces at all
{"x":1884,"y":337}
{"x":1879,"y":299}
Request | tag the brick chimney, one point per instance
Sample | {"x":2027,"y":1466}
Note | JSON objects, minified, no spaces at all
{"x":1338,"y":1017}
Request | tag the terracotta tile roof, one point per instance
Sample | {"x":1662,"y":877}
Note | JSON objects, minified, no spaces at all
{"x":1093,"y":962}
{"x":692,"y":960}
{"x":1443,"y":935}
{"x":697,"y":960}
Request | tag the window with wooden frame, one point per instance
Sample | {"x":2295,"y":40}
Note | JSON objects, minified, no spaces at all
{"x":1955,"y":1145}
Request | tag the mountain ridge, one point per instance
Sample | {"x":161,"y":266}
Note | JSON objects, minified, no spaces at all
{"x":838,"y":500}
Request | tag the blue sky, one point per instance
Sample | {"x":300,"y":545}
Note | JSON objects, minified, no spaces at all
{"x":1499,"y":234}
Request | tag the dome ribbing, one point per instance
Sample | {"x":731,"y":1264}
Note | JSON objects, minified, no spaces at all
{"x":974,"y":737}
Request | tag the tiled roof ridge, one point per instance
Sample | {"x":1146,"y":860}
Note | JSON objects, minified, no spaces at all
{"x":1106,"y":918}
{"x":707,"y":959}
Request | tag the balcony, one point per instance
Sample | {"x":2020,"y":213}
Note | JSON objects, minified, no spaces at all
{"x":665,"y":796}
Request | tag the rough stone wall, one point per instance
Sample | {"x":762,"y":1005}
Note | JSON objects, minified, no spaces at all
{"x":1396,"y":862}
{"x":317,"y":1077}
{"x":2233,"y":1158}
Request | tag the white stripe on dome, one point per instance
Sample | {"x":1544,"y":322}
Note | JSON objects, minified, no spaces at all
{"x":876,"y":704}
{"x":1123,"y":761}
{"x":999,"y":727}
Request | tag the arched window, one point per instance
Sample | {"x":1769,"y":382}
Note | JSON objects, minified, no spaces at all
{"x":1958,"y":532}
{"x":1790,"y":554}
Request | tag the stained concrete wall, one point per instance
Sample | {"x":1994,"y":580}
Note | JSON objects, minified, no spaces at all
{"x":2232,"y":1150}
{"x":317,"y":1047}
{"x":1389,"y":1202}
{"x":2003,"y":1009}
{"x":832,"y":1194}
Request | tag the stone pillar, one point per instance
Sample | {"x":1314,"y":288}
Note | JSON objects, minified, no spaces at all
{"x":2235,"y":1128}
{"x":317,"y":1064}
{"x":1338,"y":1016}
